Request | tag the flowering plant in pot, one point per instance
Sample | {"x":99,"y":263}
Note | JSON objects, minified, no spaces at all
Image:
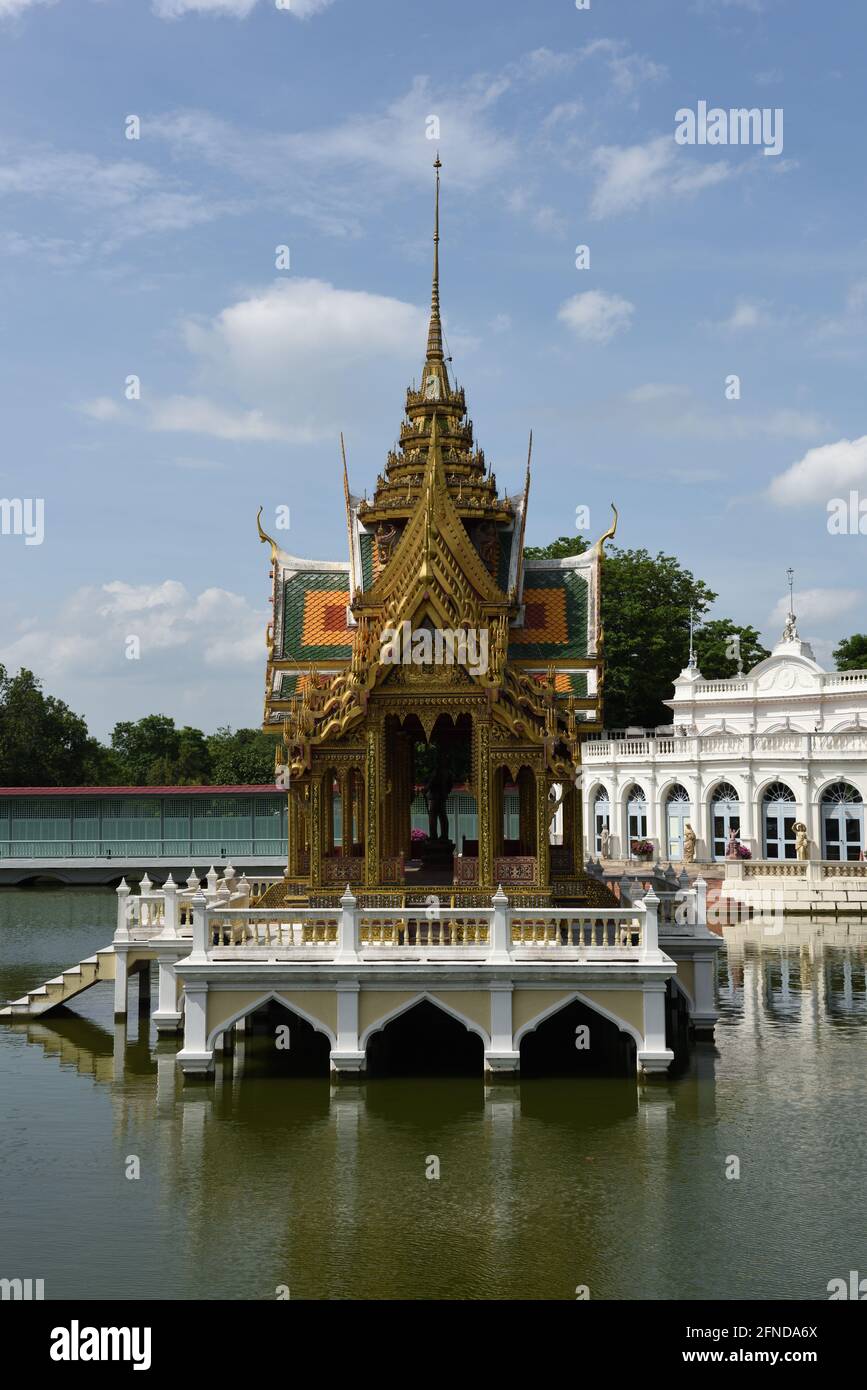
{"x":641,"y":849}
{"x":744,"y":851}
{"x":418,"y":837}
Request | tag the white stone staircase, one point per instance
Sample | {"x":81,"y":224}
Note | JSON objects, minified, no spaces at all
{"x":90,"y":971}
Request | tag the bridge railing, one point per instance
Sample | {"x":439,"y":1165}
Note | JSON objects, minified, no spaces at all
{"x":499,"y":933}
{"x":167,"y":912}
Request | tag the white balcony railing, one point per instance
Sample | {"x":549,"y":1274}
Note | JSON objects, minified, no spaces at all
{"x":852,"y":743}
{"x":361,"y":935}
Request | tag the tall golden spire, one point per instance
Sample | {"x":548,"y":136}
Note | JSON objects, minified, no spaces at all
{"x":435,"y":330}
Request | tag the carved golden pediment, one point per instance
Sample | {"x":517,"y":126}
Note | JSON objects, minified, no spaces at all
{"x":429,"y":677}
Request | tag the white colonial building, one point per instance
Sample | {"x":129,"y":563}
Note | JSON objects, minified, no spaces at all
{"x":756,"y":754}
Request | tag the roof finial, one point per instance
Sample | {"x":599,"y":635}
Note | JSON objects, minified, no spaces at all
{"x":692,"y":663}
{"x":435,"y":331}
{"x":790,"y":631}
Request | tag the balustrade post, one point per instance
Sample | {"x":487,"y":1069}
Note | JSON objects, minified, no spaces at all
{"x":650,"y":933}
{"x":500,"y":944}
{"x":200,"y":926}
{"x":121,"y":932}
{"x":347,"y":929}
{"x":170,"y":910}
{"x":700,"y":903}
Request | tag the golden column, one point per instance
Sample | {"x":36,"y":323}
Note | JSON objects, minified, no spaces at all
{"x":373,"y":792}
{"x":498,"y":797}
{"x":576,"y":800}
{"x":346,"y":831}
{"x":543,"y":852}
{"x":484,"y":782}
{"x":328,"y":808}
{"x":316,"y":830}
{"x":294,"y":834}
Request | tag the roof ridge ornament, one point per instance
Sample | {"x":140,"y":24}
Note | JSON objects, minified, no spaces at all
{"x":263,"y":535}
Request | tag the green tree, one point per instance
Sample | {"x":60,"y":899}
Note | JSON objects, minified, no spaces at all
{"x":559,"y":549}
{"x":850,"y":654}
{"x":152,"y":752}
{"x":42,"y":742}
{"x":646,"y":602}
{"x":242,"y":757}
{"x":719,"y":643}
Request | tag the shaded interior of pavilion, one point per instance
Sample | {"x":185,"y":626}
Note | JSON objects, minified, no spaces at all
{"x":429,"y":828}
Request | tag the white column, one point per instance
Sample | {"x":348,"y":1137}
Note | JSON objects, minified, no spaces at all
{"x":500,"y":944}
{"x":121,"y":983}
{"x":751,"y":822}
{"x":654,"y":1056}
{"x":167,"y":1016}
{"x":195,"y":1056}
{"x":347,"y":1058}
{"x":704,"y":1014}
{"x":811,"y":813}
{"x":653,"y":816}
{"x":502,"y":1055}
{"x":702,"y":823}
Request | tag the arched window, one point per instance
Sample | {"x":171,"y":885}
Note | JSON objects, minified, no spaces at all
{"x":842,"y":822}
{"x":678,"y":811}
{"x":725,"y":817}
{"x":778,"y":821}
{"x":601,"y":817}
{"x":636,"y":815}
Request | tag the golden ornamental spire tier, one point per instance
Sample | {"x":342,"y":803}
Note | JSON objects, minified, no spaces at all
{"x":435,"y":330}
{"x":472,"y":488}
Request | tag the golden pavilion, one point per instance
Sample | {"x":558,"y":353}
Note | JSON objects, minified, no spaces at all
{"x":436,"y":655}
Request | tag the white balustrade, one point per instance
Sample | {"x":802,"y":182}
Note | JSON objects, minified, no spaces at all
{"x":222,"y":926}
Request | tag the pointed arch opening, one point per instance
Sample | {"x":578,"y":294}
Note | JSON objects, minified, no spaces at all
{"x":280,"y":1040}
{"x":425,"y":1039}
{"x":577,"y":1039}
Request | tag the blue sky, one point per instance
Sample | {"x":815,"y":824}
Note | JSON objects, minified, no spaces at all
{"x":306,"y":127}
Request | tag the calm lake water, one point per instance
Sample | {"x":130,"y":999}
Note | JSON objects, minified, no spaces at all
{"x":263,"y":1181}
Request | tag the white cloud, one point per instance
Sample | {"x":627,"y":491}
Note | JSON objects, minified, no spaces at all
{"x":747,"y":314}
{"x":822,"y":473}
{"x":819,"y":606}
{"x":627,"y":71}
{"x":294,"y":362}
{"x":671,"y":410}
{"x":173,"y":9}
{"x":88,"y":632}
{"x":10,"y":9}
{"x":635,"y":174}
{"x":121,"y":199}
{"x":237,"y":9}
{"x":102,"y":408}
{"x":391,"y":144}
{"x":199,"y":653}
{"x":652,"y":391}
{"x":856,"y":298}
{"x":197,"y":415}
{"x":595,"y":315}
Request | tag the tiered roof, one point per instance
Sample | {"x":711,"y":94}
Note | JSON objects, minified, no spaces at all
{"x":436,"y":543}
